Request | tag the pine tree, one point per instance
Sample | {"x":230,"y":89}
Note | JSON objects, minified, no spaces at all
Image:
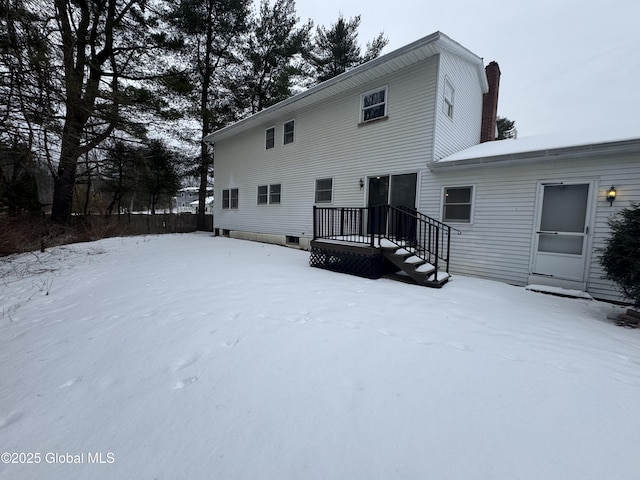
{"x":620,"y":257}
{"x":272,"y":57}
{"x":506,"y":128}
{"x":209,"y":35}
{"x":336,"y":49}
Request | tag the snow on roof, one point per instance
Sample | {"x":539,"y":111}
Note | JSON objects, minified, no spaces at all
{"x":543,"y":143}
{"x":206,"y":200}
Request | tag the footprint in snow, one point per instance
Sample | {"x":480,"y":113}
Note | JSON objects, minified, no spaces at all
{"x":231,"y":343}
{"x":386,"y":333}
{"x":72,"y":382}
{"x":11,"y":417}
{"x":185,"y":382}
{"x":184,"y":361}
{"x":459,"y":346}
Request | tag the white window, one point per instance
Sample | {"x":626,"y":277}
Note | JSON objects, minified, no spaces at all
{"x":274,"y":194}
{"x":270,"y":137}
{"x":324,"y":190}
{"x":269,"y":194}
{"x":263,"y":197}
{"x":373,"y":105}
{"x":289,"y":132}
{"x":449,"y":94}
{"x":230,"y":198}
{"x":456,"y":204}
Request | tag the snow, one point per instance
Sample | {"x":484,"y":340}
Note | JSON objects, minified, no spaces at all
{"x":193,"y":357}
{"x":541,"y":143}
{"x":565,"y":292}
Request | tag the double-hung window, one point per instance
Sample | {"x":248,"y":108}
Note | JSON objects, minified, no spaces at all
{"x":269,"y":194}
{"x":270,"y":137}
{"x":288,"y":129}
{"x":457,"y":203}
{"x":324,"y":190}
{"x":230,"y":198}
{"x":449,"y":94}
{"x":373,"y":105}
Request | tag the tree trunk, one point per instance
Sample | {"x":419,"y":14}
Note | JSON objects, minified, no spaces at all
{"x":63,"y":188}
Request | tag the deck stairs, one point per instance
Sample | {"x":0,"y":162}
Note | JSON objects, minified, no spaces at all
{"x":413,"y":267}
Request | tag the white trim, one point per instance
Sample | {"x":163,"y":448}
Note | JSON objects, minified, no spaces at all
{"x":274,"y":137}
{"x":384,"y":88}
{"x":315,"y":190}
{"x":448,"y":107}
{"x":590,"y":220}
{"x":284,"y":132}
{"x":473,"y":188}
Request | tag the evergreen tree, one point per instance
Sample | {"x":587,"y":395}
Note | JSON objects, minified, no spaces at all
{"x":209,"y":35}
{"x":506,"y":128}
{"x":336,"y":49}
{"x":620,"y":257}
{"x":273,"y":57}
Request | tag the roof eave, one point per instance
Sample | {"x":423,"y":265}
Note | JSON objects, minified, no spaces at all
{"x":564,"y":153}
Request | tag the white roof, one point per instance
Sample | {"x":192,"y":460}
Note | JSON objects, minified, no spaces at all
{"x":546,"y":146}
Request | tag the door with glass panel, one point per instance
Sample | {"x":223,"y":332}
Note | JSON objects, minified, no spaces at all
{"x":560,"y":246}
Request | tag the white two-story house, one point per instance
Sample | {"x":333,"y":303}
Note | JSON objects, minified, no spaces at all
{"x":404,"y":130}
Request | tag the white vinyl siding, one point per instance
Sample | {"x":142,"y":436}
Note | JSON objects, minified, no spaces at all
{"x":461,"y":129}
{"x":329,"y":143}
{"x":498,"y":244}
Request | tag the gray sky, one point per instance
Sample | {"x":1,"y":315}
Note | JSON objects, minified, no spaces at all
{"x":566,"y":64}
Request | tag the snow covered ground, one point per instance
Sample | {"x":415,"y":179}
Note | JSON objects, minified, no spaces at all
{"x":192,"y":357}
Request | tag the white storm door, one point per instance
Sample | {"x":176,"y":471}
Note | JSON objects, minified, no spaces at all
{"x":560,"y":247}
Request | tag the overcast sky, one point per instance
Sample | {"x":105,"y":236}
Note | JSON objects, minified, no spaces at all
{"x":566,"y":64}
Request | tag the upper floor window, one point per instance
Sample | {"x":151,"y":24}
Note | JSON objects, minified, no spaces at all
{"x":270,"y":137}
{"x":449,"y":94}
{"x":230,"y":198}
{"x":289,"y":130}
{"x":324,"y":190}
{"x":373,"y":105}
{"x":457,"y":204}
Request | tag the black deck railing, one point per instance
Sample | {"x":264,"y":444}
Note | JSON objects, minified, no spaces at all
{"x":424,"y":236}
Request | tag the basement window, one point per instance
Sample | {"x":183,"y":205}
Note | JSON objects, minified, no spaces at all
{"x":457,"y":204}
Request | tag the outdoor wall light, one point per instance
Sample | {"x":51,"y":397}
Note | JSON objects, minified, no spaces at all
{"x":361,"y":184}
{"x":611,"y":195}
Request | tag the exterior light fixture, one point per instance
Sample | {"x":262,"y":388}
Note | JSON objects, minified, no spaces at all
{"x":361,"y":184}
{"x":611,"y":195}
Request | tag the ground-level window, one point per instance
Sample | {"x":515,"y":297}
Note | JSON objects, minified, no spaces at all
{"x":373,"y":104}
{"x":289,"y":132}
{"x":270,"y":137}
{"x":269,"y":194}
{"x":457,"y":203}
{"x":230,"y":198}
{"x":324,"y":190}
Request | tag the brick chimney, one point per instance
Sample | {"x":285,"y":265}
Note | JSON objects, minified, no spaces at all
{"x":490,"y":104}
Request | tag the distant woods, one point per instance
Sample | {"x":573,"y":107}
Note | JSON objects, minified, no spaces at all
{"x":105,"y":103}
